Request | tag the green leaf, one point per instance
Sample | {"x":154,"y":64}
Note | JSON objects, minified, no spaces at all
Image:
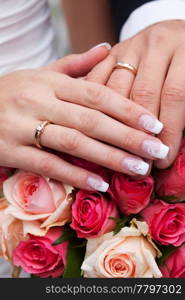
{"x":167,"y":251}
{"x":79,"y":244}
{"x":116,"y":220}
{"x":120,"y":223}
{"x":75,"y":257}
{"x":63,"y":238}
{"x":33,"y":276}
{"x":168,"y":198}
{"x":67,"y":235}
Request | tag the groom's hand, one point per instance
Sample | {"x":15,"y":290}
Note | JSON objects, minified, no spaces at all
{"x":158,"y":54}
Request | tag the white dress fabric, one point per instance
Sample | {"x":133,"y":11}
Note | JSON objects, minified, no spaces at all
{"x":26,"y":41}
{"x":26,"y":35}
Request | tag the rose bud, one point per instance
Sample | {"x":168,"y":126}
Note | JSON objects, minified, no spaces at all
{"x":166,"y":222}
{"x":91,"y":214}
{"x":131,"y":195}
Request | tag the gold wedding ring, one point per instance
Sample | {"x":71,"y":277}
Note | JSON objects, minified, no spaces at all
{"x":127,"y":66}
{"x":38,"y":132}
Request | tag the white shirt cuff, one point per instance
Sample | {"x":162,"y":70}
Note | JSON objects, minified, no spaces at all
{"x":151,"y":13}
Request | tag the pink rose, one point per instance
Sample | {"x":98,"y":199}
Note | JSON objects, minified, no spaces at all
{"x":166,"y":222}
{"x":90,"y":214}
{"x":174,"y":265}
{"x":170,"y":182}
{"x":38,"y":256}
{"x":131,"y":195}
{"x":32,"y":197}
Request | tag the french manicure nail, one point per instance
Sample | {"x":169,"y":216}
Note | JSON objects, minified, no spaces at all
{"x":106,"y":45}
{"x":97,"y":183}
{"x":150,"y":124}
{"x":155,"y":149}
{"x":136,"y":166}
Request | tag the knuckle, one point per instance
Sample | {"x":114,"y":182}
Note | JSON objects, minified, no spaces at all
{"x":88,"y":121}
{"x":142,"y":93}
{"x":170,"y":131}
{"x":24,"y":96}
{"x":94,"y":94}
{"x":128,"y":108}
{"x":110,"y":160}
{"x":71,"y":141}
{"x":174,"y":93}
{"x":46,"y":165}
{"x":129,"y":140}
{"x":156,"y":35}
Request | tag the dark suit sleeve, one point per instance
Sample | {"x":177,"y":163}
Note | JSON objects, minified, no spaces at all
{"x":121,"y":9}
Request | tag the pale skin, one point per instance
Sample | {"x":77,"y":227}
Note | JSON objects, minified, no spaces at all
{"x":87,"y":122}
{"x":159,"y":86}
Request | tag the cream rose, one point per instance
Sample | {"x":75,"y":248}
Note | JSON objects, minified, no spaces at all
{"x":13,"y":230}
{"x":11,"y":233}
{"x":128,"y":254}
{"x":32,"y":197}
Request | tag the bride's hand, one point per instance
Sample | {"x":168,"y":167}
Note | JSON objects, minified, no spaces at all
{"x":88,"y":120}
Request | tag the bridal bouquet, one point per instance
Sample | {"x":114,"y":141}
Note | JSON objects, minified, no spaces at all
{"x":136,"y":229}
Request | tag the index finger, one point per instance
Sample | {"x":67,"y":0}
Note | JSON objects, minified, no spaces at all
{"x":104,"y":99}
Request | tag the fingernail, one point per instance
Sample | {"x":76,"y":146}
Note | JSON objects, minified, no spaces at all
{"x":106,"y":45}
{"x":155,"y":149}
{"x":150,"y":124}
{"x":136,"y":166}
{"x":97,"y":183}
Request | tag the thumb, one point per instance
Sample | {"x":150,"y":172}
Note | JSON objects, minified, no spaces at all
{"x":77,"y":65}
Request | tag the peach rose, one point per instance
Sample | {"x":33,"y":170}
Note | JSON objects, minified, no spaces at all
{"x":11,"y":233}
{"x":32,"y":197}
{"x":13,"y":230}
{"x":128,"y":254}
